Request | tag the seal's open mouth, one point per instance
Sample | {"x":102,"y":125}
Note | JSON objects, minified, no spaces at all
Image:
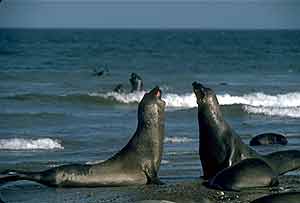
{"x":157,"y":92}
{"x":199,"y":90}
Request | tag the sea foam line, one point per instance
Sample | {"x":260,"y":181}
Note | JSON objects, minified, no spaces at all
{"x":174,"y":140}
{"x":293,"y":112}
{"x":188,"y":100}
{"x":260,"y":99}
{"x":30,"y":144}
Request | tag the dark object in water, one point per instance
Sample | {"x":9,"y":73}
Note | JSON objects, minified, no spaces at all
{"x":268,"y":138}
{"x":119,"y":88}
{"x":136,"y":82}
{"x":100,"y":73}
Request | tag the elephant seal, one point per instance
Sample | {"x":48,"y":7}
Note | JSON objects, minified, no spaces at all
{"x":136,"y":82}
{"x":96,"y":72}
{"x":268,"y":138}
{"x":136,"y":164}
{"x":288,"y":197}
{"x":242,"y":175}
{"x":119,"y":89}
{"x":220,"y":147}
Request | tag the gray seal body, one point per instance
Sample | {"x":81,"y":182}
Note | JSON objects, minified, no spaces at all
{"x":248,"y":173}
{"x":288,"y":197}
{"x":220,"y":147}
{"x":136,"y":164}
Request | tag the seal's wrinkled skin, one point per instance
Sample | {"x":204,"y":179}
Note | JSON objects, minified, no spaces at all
{"x":220,"y":147}
{"x":136,"y":164}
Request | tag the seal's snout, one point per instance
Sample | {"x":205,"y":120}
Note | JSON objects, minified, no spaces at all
{"x":199,"y":91}
{"x":156,"y":92}
{"x":197,"y":86}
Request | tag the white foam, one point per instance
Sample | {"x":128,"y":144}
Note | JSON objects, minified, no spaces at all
{"x":188,"y":100}
{"x":180,"y":101}
{"x":172,"y":100}
{"x":29,"y":144}
{"x":173,"y":140}
{"x":122,"y":97}
{"x":280,"y":104}
{"x":274,"y":111}
{"x":165,"y":161}
{"x":261,"y":99}
{"x":95,"y":162}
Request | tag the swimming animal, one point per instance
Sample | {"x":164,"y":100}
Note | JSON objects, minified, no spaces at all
{"x":136,"y":82}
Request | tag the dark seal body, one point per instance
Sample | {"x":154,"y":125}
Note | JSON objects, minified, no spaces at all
{"x":268,"y":138}
{"x":220,"y":147}
{"x":289,"y":197}
{"x":136,"y":164}
{"x":136,"y":82}
{"x":247,"y":173}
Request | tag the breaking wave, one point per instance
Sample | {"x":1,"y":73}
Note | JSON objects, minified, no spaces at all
{"x":261,"y":99}
{"x":280,"y":104}
{"x":173,"y":140}
{"x":273,"y":111}
{"x":30,"y":144}
{"x":257,"y":103}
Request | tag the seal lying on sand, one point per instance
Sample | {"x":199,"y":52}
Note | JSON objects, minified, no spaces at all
{"x":289,"y":197}
{"x":247,"y":173}
{"x":268,"y":138}
{"x":136,"y":164}
{"x":220,"y":147}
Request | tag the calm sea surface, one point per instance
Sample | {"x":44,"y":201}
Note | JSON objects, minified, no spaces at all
{"x":54,"y":110}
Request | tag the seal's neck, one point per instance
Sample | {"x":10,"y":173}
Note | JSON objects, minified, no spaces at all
{"x":210,"y":118}
{"x":147,"y":142}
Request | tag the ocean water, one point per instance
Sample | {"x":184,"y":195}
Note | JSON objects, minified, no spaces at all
{"x":54,"y":110}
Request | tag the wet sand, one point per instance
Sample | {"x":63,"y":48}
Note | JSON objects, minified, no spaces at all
{"x":191,"y":191}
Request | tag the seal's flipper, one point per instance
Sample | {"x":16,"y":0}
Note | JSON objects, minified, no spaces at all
{"x":11,"y":176}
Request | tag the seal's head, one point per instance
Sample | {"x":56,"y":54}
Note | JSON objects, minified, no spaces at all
{"x":203,"y":94}
{"x":152,"y":108}
{"x":207,"y":101}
